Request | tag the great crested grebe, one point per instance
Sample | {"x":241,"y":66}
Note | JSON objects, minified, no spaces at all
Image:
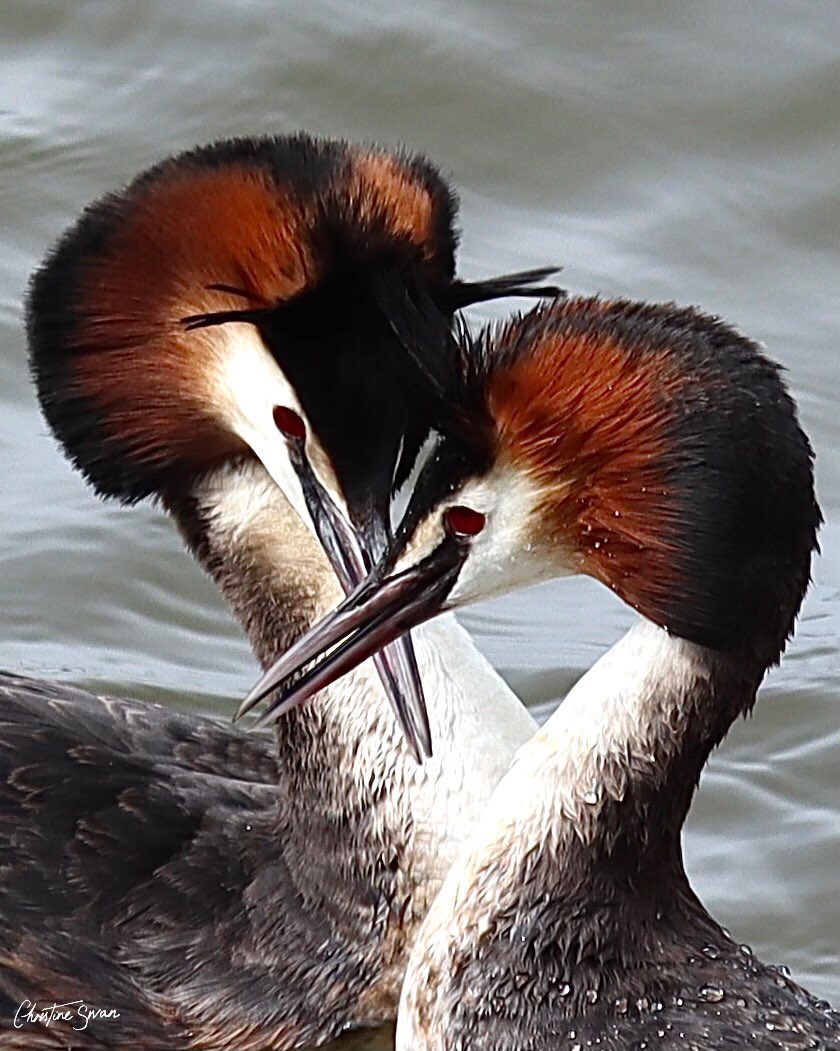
{"x":656,"y":449}
{"x":220,"y":326}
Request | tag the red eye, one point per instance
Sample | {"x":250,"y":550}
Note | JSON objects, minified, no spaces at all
{"x":463,"y":521}
{"x":288,"y":421}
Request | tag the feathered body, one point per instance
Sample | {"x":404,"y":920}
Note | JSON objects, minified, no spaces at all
{"x":219,"y":889}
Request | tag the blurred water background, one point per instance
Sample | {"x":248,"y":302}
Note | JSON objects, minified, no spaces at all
{"x":682,"y":151}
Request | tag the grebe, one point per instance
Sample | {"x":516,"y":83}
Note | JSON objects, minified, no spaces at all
{"x":219,"y":327}
{"x":657,"y":450}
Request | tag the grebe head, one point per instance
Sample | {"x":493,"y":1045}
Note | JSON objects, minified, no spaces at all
{"x":233,"y":302}
{"x":651,"y":447}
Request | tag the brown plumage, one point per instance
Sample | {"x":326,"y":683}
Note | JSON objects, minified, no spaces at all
{"x":220,"y":889}
{"x":657,"y":449}
{"x":248,"y":223}
{"x":602,"y":473}
{"x":636,"y":423}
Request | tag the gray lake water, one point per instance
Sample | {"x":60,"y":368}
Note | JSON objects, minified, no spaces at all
{"x":687,"y":151}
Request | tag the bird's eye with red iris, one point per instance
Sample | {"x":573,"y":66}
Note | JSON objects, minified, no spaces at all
{"x":463,"y":521}
{"x":288,"y":422}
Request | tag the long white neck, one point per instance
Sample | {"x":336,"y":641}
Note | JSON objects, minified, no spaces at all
{"x":343,"y":751}
{"x":578,"y":853}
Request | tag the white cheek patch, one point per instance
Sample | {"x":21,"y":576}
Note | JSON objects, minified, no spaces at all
{"x":505,"y":555}
{"x":248,"y":386}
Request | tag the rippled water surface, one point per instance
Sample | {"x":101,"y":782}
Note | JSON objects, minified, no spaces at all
{"x":684,"y":151}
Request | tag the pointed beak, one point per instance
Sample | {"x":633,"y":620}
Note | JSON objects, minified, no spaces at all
{"x":351,"y":549}
{"x":376,"y":614}
{"x":351,"y":554}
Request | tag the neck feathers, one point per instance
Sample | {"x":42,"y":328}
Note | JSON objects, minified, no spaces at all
{"x":343,"y":751}
{"x":581,"y":868}
{"x":631,"y":738}
{"x":264,"y":560}
{"x":608,"y":780}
